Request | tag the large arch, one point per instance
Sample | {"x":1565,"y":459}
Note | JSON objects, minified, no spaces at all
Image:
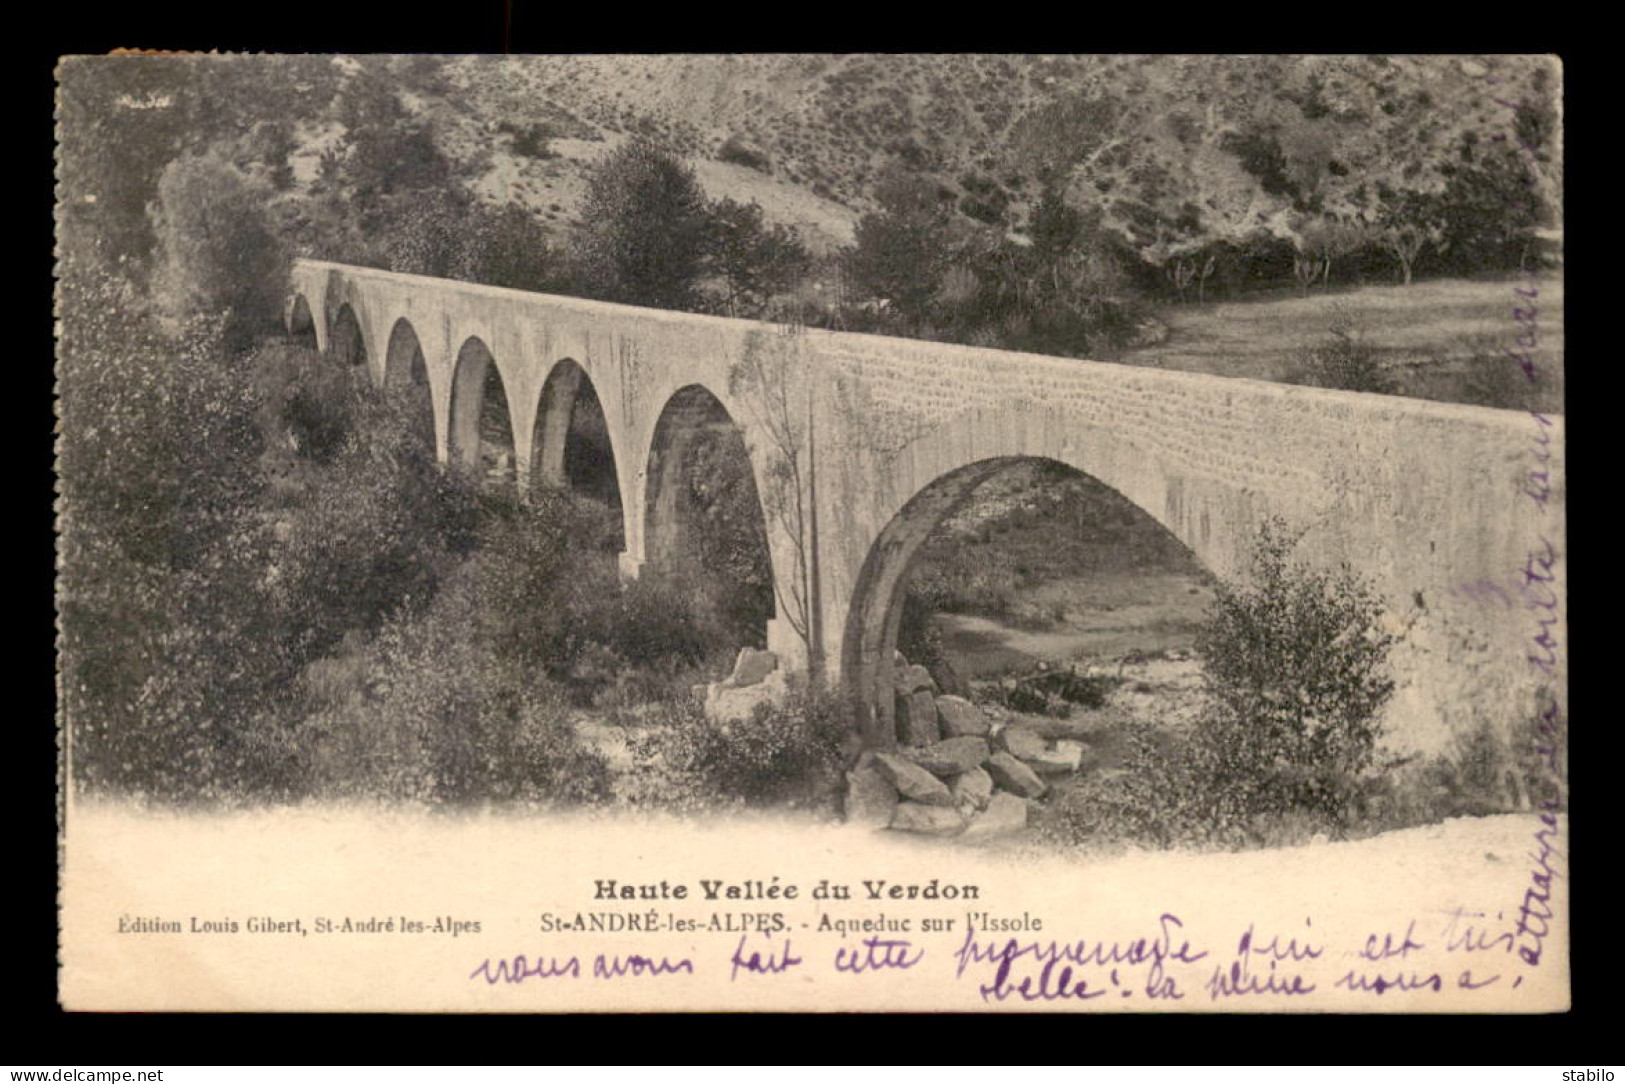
{"x":345,"y":341}
{"x":869,"y":642}
{"x":406,"y":374}
{"x":473,"y":368}
{"x":566,"y":392}
{"x":694,"y":437}
{"x":301,"y":323}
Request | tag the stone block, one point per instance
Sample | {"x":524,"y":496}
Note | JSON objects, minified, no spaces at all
{"x":1004,"y":814}
{"x":1020,"y":742}
{"x":1014,"y":776}
{"x":950,"y":757}
{"x":1066,"y":756}
{"x":752,"y":666}
{"x":917,"y":719}
{"x":935,"y":820}
{"x":912,"y":781}
{"x":972,"y":790}
{"x":725,"y":703}
{"x":1082,"y":724}
{"x":913,"y":679}
{"x":870,"y":797}
{"x":960,"y":718}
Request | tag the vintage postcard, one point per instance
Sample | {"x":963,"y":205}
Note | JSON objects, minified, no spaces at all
{"x":812,"y":532}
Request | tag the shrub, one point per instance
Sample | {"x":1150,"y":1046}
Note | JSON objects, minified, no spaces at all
{"x":1296,"y":664}
{"x":788,"y":753}
{"x":1344,"y":360}
{"x":1487,"y":770}
{"x":1495,"y":378}
{"x":740,"y":153}
{"x":218,"y":253}
{"x":646,"y":227}
{"x":427,"y":712}
{"x":1151,"y":800}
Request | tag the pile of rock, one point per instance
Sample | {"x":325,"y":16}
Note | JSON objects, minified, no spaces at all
{"x":954,"y":771}
{"x":757,"y":678}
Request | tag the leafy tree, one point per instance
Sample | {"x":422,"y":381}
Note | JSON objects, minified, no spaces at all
{"x":645,"y":231}
{"x":1345,"y":360}
{"x":218,"y":252}
{"x":121,"y":120}
{"x":1296,"y":663}
{"x":1491,"y":205}
{"x":1056,"y":229}
{"x":1409,"y":223}
{"x":899,"y":253}
{"x":1321,"y":242}
{"x":754,"y":260}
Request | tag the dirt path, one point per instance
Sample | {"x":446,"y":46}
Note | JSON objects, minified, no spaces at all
{"x":1102,"y":617}
{"x":1263,"y":338}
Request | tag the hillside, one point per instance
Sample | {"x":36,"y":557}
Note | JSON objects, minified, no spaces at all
{"x":1161,"y":146}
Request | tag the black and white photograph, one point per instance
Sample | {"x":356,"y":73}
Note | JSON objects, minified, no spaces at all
{"x":828,"y":532}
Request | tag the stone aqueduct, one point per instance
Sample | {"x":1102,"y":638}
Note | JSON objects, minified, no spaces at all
{"x":861,"y":443}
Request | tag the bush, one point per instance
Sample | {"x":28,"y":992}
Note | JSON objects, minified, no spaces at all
{"x":646,"y":228}
{"x":556,"y":603}
{"x":1345,"y":361}
{"x":1296,"y":664}
{"x":218,"y":254}
{"x":740,"y":153}
{"x":787,"y":753}
{"x":1152,"y":801}
{"x":427,"y":712}
{"x":1486,"y":771}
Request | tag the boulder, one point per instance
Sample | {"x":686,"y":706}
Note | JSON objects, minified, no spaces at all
{"x":1014,"y":776}
{"x":725,"y":703}
{"x":917,"y":719}
{"x":1004,"y":814}
{"x":959,"y":717}
{"x":1066,"y":756}
{"x":1021,"y":742}
{"x":935,"y":820}
{"x":913,"y":781}
{"x":951,"y":757}
{"x":912,"y":679}
{"x":870,"y":797}
{"x":1080,"y":725}
{"x":972,"y":790}
{"x":752,"y":666}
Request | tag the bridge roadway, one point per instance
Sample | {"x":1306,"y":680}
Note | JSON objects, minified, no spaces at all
{"x":860,"y":444}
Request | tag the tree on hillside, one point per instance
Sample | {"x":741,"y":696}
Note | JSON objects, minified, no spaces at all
{"x":1492,"y":203}
{"x":754,"y":260}
{"x":119,"y":124}
{"x":645,"y":228}
{"x":899,"y":252}
{"x":1407,"y":225}
{"x":1055,"y":227}
{"x":218,"y":254}
{"x":1320,"y":242}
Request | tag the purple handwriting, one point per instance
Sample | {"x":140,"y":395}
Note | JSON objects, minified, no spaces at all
{"x":877,"y":955}
{"x":1541,"y":596}
{"x":776,"y":961}
{"x":1240,"y":980}
{"x":518,"y":969}
{"x":1059,"y":965}
{"x":1386,"y":949}
{"x":1463,"y":936}
{"x":1535,"y":914}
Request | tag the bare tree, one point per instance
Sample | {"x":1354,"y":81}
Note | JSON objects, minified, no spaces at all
{"x":767,"y":380}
